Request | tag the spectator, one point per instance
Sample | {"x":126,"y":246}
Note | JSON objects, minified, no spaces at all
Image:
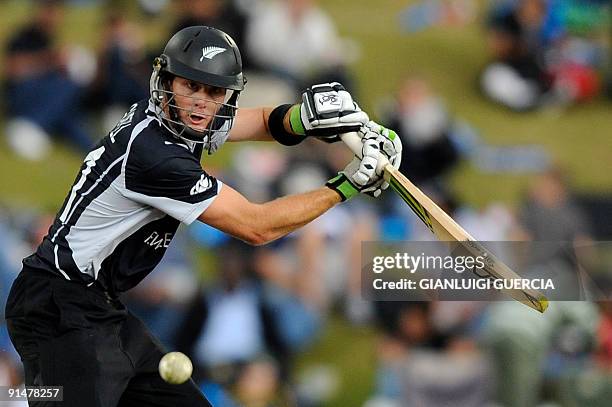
{"x":123,"y":69}
{"x":221,"y":14}
{"x":549,"y":212}
{"x":542,"y":53}
{"x":576,"y":61}
{"x":517,"y":77}
{"x":325,"y":256}
{"x":41,"y":98}
{"x":209,"y":333}
{"x":519,"y":341}
{"x":9,"y":360}
{"x":424,"y":125}
{"x":603,"y":354}
{"x":17,"y":232}
{"x":303,"y":46}
{"x":419,"y":362}
{"x":550,"y":217}
{"x":258,"y":385}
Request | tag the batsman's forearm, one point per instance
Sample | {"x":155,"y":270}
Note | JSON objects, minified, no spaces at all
{"x":252,"y":124}
{"x":284,"y":215}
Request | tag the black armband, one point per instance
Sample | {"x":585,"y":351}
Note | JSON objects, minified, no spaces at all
{"x":277,"y":128}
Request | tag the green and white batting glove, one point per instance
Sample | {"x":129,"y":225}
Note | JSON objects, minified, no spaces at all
{"x":359,"y":176}
{"x":388,"y":142}
{"x":327,"y":110}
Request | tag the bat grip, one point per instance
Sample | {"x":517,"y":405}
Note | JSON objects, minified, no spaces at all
{"x":353,"y":142}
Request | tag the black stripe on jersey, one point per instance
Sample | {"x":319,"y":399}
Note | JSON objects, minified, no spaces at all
{"x":176,"y":178}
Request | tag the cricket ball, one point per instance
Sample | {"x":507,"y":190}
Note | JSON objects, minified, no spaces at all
{"x":175,"y":368}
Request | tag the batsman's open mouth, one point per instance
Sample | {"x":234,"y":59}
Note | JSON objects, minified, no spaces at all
{"x":197,"y":119}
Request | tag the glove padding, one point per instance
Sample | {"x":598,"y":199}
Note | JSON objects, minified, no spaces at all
{"x":327,"y":110}
{"x":360,"y":175}
{"x":388,"y":143}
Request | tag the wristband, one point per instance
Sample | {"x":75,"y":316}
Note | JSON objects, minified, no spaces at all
{"x":295,"y":120}
{"x":277,"y":127}
{"x":341,"y":184}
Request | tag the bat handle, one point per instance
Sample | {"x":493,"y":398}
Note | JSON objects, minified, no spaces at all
{"x":353,"y":142}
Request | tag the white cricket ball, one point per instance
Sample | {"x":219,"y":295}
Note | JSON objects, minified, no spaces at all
{"x":175,"y":368}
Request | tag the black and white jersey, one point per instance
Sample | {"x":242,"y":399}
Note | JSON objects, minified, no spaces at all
{"x":132,"y":191}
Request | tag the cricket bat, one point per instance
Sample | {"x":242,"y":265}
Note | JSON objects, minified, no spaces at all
{"x":446,"y":229}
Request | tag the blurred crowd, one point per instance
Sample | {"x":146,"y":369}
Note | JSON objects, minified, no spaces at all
{"x":245,"y":315}
{"x":546,"y":52}
{"x":50,"y":89}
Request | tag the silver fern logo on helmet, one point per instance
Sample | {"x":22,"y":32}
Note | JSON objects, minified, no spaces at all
{"x":210,"y":52}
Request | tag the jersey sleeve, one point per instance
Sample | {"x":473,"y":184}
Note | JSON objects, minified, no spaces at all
{"x":177,"y":186}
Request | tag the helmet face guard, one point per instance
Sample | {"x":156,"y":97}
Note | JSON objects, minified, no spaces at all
{"x":168,"y":111}
{"x":207,"y":56}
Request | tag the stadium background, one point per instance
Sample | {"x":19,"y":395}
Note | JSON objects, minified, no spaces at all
{"x":447,"y":55}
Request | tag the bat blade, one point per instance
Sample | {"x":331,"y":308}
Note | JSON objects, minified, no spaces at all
{"x":446,"y":229}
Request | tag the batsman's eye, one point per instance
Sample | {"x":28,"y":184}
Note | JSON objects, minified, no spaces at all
{"x":193,"y":86}
{"x":216,"y":92}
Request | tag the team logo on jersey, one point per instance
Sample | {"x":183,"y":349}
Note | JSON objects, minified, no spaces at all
{"x":202,"y":185}
{"x":210,"y":52}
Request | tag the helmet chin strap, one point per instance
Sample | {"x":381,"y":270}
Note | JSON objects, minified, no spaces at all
{"x":203,"y":137}
{"x":190,"y":144}
{"x":190,"y":136}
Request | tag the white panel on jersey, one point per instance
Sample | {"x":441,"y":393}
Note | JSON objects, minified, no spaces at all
{"x":183,"y":211}
{"x":104,"y":224}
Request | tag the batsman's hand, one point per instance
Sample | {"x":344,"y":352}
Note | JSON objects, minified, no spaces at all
{"x":327,"y":110}
{"x":388,"y":142}
{"x":360,"y":175}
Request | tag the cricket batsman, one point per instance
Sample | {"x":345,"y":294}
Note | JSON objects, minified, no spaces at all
{"x":134,"y":189}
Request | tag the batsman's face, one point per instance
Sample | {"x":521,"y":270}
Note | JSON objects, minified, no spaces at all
{"x":197,"y":103}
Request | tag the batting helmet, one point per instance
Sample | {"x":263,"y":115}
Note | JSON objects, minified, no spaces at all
{"x":205,"y":55}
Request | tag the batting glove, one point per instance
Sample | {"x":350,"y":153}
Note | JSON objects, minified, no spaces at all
{"x":388,"y":142}
{"x":360,"y":174}
{"x":327,"y":110}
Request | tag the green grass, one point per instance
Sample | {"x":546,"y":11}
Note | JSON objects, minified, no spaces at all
{"x":41,"y":185}
{"x":579,"y":138}
{"x":351,"y":352}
